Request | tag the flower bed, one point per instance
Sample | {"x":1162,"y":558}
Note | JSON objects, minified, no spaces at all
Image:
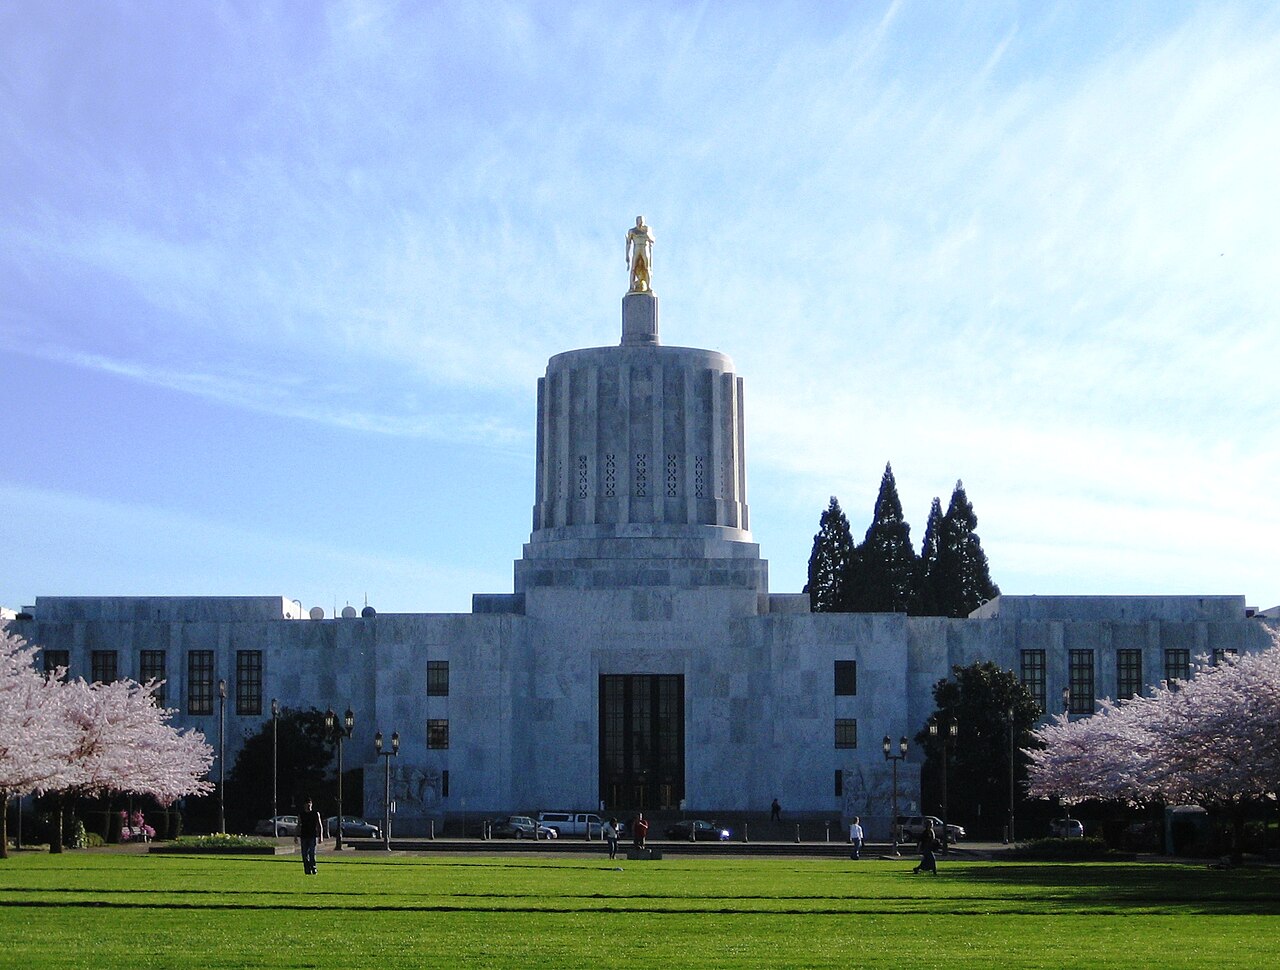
{"x":217,"y":843}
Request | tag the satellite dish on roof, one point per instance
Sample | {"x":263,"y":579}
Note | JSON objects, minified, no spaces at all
{"x":348,"y":612}
{"x":317,"y":613}
{"x":368,"y":611}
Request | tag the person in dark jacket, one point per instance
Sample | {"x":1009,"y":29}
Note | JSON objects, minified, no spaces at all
{"x":309,"y":829}
{"x":928,"y":845}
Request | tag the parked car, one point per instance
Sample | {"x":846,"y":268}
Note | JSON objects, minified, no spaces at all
{"x":519,"y":827}
{"x":913,"y":826}
{"x":281,"y":824}
{"x":352,"y":828}
{"x":574,"y":823}
{"x":702,"y":831}
{"x":1066,"y":828}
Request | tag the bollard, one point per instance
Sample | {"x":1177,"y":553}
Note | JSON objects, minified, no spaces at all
{"x":431,"y":833}
{"x":744,"y":831}
{"x":797,"y":833}
{"x":828,"y":830}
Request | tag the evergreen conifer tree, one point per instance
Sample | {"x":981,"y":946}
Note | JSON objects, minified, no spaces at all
{"x":963,"y":579}
{"x":886,"y":572}
{"x":830,"y":562}
{"x":926,"y":599}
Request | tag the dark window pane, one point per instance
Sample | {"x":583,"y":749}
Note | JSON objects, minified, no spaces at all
{"x":1033,"y":676}
{"x":1128,"y":673}
{"x":846,"y":678}
{"x":151,"y":667}
{"x":1080,"y":671}
{"x":1177,"y":665}
{"x":438,"y":732}
{"x":438,"y":678}
{"x":846,"y":732}
{"x":53,"y":659}
{"x":103,"y":666}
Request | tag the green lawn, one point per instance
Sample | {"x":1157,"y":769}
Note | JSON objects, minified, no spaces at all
{"x":92,"y":909}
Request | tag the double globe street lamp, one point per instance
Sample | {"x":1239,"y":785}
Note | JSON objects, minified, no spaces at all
{"x":386,"y":783}
{"x":948,"y":738}
{"x":337,"y":733}
{"x":887,"y":747}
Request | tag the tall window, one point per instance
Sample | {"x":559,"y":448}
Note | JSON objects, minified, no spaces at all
{"x":1128,"y":673}
{"x":839,"y":792}
{"x":1177,"y":665}
{"x":103,"y":666}
{"x":846,"y":732}
{"x":1033,"y":676}
{"x":437,"y":678}
{"x":249,"y":682}
{"x":1080,"y":670}
{"x":199,"y":681}
{"x":151,"y":667}
{"x":53,"y":659}
{"x":438,"y":732}
{"x":1221,"y":653}
{"x":444,"y":783}
{"x":846,"y":678}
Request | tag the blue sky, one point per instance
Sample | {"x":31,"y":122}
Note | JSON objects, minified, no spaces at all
{"x":277,"y":280}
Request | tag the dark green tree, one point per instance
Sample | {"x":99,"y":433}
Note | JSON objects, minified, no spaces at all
{"x":885,"y":578}
{"x":830,"y":562}
{"x":926,"y":598}
{"x":304,"y":758}
{"x":983,"y":701}
{"x":961,"y":578}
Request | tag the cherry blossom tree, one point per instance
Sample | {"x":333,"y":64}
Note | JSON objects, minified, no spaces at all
{"x":124,"y":744}
{"x":35,"y":737}
{"x":1211,"y":740}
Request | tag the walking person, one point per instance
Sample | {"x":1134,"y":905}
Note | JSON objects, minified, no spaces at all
{"x":775,"y":812}
{"x":309,"y":829}
{"x":856,"y":837}
{"x":610,"y":833}
{"x":928,"y":846}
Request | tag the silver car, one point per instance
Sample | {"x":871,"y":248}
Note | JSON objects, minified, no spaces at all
{"x":281,"y":824}
{"x":352,"y":828}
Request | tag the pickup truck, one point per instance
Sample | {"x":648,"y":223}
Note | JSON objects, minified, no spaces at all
{"x":586,"y":824}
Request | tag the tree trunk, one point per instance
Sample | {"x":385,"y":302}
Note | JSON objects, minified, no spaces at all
{"x":4,"y":824}
{"x":55,"y":843}
{"x":1237,"y":834}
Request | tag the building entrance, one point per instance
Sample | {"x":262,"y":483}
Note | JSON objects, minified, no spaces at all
{"x":641,"y":741}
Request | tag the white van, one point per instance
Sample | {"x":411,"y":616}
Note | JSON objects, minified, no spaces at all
{"x":573,"y":823}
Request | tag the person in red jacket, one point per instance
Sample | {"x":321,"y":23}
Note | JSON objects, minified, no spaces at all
{"x":639,"y":829}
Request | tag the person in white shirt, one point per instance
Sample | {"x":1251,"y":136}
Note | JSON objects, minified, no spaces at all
{"x":855,"y":837}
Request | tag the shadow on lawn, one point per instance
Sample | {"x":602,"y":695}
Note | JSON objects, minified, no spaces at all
{"x":1184,"y":888}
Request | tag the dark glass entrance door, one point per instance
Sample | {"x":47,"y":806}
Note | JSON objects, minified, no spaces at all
{"x":641,"y":741}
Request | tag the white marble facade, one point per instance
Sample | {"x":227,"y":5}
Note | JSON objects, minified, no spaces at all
{"x":640,"y":563}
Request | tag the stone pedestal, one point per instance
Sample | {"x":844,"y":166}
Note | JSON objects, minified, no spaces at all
{"x":640,"y":320}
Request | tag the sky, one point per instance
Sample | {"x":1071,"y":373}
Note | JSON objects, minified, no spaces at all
{"x":277,"y":280}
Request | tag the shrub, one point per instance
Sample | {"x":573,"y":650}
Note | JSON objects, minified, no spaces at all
{"x":1065,"y":850}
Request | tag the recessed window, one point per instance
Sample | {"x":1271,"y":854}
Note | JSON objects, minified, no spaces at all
{"x":53,"y":659}
{"x":437,"y":678}
{"x":839,"y":792}
{"x":1033,"y":676}
{"x":199,"y":681}
{"x":151,"y":667}
{"x":249,"y":682}
{"x":103,"y":666}
{"x":1128,"y":673}
{"x":846,"y":678}
{"x":1177,"y":665}
{"x":444,"y":783}
{"x":1080,"y":677}
{"x":1221,"y":653}
{"x":846,"y":732}
{"x":438,"y":732}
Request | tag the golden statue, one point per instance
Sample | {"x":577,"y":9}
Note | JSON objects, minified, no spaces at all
{"x":640,"y":257}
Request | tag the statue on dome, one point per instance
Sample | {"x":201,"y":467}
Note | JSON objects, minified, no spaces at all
{"x":640,"y":257}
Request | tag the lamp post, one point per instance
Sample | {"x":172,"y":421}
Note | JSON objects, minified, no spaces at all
{"x":275,"y":767}
{"x":222,"y":756}
{"x":1066,"y":702}
{"x":948,"y":738}
{"x":337,"y":734}
{"x":386,"y":782}
{"x":887,"y":747}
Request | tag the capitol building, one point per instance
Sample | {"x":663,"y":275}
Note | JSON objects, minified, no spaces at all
{"x":641,"y":660}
